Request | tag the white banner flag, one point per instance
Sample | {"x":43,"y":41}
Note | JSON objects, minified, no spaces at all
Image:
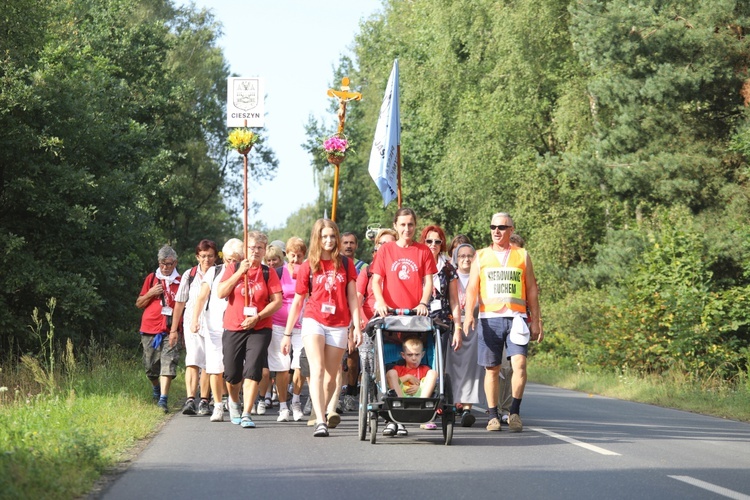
{"x":383,"y":157}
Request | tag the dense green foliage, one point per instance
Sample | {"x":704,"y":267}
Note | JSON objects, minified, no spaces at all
{"x":112,"y":143}
{"x":56,"y":443}
{"x":616,"y":133}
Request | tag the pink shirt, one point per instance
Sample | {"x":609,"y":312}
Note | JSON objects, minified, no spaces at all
{"x":288,"y":285}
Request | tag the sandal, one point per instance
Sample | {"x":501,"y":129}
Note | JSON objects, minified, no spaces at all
{"x":321,"y":430}
{"x":390,"y":429}
{"x":247,"y":422}
{"x":402,"y":430}
{"x":467,"y":419}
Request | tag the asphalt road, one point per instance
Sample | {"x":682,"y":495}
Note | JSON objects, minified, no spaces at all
{"x":573,"y":446}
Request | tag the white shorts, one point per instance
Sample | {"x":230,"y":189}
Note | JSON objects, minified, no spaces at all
{"x":278,"y":362}
{"x":195,"y":351}
{"x":336,"y":336}
{"x":214,"y":352}
{"x":297,"y":346}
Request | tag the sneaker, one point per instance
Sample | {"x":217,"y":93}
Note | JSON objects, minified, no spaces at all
{"x":467,"y":419}
{"x":401,"y":430}
{"x":163,"y":404}
{"x":246,"y":422}
{"x":333,"y":420}
{"x":269,"y":403}
{"x":350,"y":403}
{"x":321,"y":430}
{"x":283,"y":415}
{"x":261,"y":407}
{"x":189,"y":407}
{"x":504,"y":419}
{"x":235,"y":412}
{"x":203,"y":408}
{"x":514,"y":423}
{"x":218,"y":414}
{"x":308,"y":407}
{"x":390,"y":429}
{"x":493,"y":425}
{"x":297,"y":412}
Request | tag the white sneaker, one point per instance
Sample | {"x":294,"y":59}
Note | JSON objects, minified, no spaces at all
{"x":283,"y":415}
{"x":218,"y":414}
{"x":297,"y":411}
{"x":261,"y":407}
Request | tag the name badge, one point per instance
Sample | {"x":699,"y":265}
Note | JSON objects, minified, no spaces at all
{"x":166,"y":311}
{"x":328,"y":308}
{"x":435,"y":305}
{"x":250,"y":311}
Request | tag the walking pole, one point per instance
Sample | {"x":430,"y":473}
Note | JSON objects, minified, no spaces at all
{"x":344,"y":95}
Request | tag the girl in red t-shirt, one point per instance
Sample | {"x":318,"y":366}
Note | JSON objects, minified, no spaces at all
{"x":331,"y":306}
{"x":247,"y":325}
{"x":402,"y":273}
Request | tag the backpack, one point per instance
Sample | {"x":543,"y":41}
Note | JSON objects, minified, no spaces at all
{"x":344,"y":262}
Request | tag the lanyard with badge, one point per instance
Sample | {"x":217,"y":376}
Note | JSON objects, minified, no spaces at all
{"x":167,"y":298}
{"x":329,"y":307}
{"x":251,"y":309}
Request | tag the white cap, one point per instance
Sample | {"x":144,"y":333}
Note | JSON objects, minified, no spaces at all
{"x":519,"y":331}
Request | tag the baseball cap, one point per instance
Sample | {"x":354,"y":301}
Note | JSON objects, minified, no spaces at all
{"x":280,"y":245}
{"x":519,"y":331}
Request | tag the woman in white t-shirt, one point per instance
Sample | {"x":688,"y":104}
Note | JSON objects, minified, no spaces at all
{"x":208,"y":322}
{"x":327,"y":280}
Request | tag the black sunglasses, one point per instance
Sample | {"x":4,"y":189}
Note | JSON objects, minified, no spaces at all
{"x":430,"y":242}
{"x":500,"y":227}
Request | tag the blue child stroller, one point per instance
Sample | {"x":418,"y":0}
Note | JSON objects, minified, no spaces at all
{"x":380,"y":348}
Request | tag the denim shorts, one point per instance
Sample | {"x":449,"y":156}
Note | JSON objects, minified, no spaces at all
{"x":493,"y":339}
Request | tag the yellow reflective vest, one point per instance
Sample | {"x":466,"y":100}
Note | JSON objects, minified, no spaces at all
{"x":502,"y":284}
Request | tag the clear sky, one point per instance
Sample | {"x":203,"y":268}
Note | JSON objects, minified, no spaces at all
{"x":293,"y":45}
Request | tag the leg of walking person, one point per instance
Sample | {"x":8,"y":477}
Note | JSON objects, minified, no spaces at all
{"x":314,"y":351}
{"x":333,"y":379}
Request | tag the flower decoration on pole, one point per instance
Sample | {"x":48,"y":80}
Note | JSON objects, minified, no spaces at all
{"x":335,"y":149}
{"x":242,"y":140}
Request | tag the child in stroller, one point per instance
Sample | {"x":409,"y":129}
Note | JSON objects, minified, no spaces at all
{"x":412,"y":379}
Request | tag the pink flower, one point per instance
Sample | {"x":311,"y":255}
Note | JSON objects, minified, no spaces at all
{"x":335,"y":143}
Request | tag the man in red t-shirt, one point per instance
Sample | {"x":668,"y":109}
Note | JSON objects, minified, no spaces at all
{"x":157,"y":299}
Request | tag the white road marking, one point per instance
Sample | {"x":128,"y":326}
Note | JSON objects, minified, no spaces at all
{"x":725,"y":492}
{"x":567,"y":439}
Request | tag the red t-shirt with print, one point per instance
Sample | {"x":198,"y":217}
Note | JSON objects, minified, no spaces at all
{"x":260,"y":296}
{"x":402,"y":271}
{"x":328,"y":286}
{"x":152,"y":320}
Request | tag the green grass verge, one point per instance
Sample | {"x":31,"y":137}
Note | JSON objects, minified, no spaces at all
{"x":721,"y":399}
{"x":57,"y":444}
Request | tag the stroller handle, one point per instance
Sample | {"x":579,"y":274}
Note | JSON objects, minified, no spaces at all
{"x":402,"y":312}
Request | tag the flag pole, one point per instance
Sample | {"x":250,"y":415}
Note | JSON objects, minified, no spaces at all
{"x":344,"y":95}
{"x":398,"y":173}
